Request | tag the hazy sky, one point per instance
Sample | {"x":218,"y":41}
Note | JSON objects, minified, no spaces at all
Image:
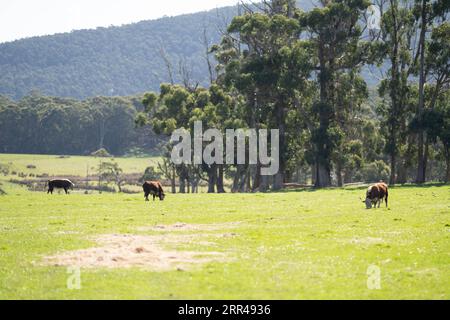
{"x":26,"y":18}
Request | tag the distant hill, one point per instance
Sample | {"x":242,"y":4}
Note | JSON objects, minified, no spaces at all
{"x":114,"y":61}
{"x":122,"y":60}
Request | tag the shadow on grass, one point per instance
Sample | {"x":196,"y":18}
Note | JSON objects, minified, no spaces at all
{"x":361,"y":187}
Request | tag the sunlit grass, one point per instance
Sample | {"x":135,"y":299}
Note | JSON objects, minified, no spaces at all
{"x":74,"y":165}
{"x":296,"y":245}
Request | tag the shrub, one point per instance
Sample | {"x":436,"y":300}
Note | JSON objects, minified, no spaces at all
{"x":151,"y":174}
{"x":101,"y":153}
{"x":4,"y":169}
{"x":31,"y":166}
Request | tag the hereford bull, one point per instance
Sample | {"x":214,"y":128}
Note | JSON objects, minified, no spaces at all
{"x":376,"y":194}
{"x":153,"y":188}
{"x":60,"y":184}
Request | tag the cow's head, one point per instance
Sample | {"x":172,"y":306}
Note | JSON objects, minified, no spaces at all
{"x":162,"y":196}
{"x":368,"y":200}
{"x":368,"y":203}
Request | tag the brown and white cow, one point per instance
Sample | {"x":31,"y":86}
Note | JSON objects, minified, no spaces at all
{"x":376,"y":194}
{"x":155,"y":189}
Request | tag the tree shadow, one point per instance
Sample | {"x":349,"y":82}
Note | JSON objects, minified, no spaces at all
{"x":361,"y":187}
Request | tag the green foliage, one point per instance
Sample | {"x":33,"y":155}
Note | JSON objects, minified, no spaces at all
{"x":375,"y":172}
{"x":111,"y":172}
{"x":50,"y":125}
{"x":151,"y":174}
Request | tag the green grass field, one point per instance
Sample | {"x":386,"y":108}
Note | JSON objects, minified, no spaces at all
{"x":73,"y":166}
{"x":293,"y":245}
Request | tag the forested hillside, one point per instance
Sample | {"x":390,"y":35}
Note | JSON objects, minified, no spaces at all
{"x":117,"y":61}
{"x":108,"y":61}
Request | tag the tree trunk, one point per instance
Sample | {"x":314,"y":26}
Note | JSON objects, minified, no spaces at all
{"x":339,"y":174}
{"x":425,"y":158}
{"x":421,"y":167}
{"x":394,"y":88}
{"x":235,"y":186}
{"x":392,"y":179}
{"x":323,"y":176}
{"x":402,"y":173}
{"x":447,"y":161}
{"x":212,"y":179}
{"x":264,"y":185}
{"x":278,"y":182}
{"x":257,"y":178}
{"x":220,"y":186}
{"x":281,"y":122}
{"x":182,"y":185}
{"x":172,"y":181}
{"x":102,"y":134}
{"x":243,"y":181}
{"x":313,"y":174}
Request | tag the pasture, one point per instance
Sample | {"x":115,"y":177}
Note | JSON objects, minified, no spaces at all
{"x":291,"y":245}
{"x":53,"y":165}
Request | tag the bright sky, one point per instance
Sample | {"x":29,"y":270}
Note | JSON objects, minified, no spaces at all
{"x":26,"y":18}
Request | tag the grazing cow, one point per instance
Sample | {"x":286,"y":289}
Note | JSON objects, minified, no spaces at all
{"x":376,"y":194}
{"x":60,"y":184}
{"x":155,"y":189}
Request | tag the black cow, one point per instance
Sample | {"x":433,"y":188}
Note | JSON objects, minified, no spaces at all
{"x":60,"y":184}
{"x":155,"y":189}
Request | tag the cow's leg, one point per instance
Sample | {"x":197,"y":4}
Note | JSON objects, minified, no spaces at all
{"x":154,"y":197}
{"x":50,"y":190}
{"x":374,"y":203}
{"x":66,"y":191}
{"x":146,"y":197}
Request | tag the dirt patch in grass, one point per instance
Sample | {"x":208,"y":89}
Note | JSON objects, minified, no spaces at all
{"x":190,"y":227}
{"x":128,"y":251}
{"x":148,"y":251}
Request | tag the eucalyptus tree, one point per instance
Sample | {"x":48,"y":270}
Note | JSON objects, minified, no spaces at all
{"x":267,"y":66}
{"x":431,"y":58}
{"x":335,"y":36}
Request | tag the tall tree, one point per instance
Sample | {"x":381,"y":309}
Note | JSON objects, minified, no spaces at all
{"x":397,"y":30}
{"x":427,"y":12}
{"x":335,"y":36}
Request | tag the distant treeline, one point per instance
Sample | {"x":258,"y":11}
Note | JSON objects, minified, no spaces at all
{"x":49,"y":125}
